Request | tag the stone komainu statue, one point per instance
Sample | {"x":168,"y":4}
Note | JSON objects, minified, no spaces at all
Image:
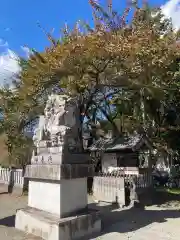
{"x":60,"y":119}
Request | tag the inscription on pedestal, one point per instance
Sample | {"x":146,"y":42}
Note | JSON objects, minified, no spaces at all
{"x":59,"y":172}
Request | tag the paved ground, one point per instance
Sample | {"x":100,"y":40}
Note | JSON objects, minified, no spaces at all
{"x":8,"y":206}
{"x":152,"y":223}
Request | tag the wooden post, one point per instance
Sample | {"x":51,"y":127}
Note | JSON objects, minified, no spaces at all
{"x":150,"y":162}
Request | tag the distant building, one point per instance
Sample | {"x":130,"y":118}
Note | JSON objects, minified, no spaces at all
{"x":121,"y":151}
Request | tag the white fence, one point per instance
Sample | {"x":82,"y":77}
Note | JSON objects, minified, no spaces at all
{"x":12,"y":177}
{"x":116,"y":188}
{"x":109,"y":189}
{"x":4,"y":175}
{"x":17,"y":177}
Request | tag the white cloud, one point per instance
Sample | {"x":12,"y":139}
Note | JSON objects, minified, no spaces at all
{"x":9,"y":66}
{"x":26,"y":50}
{"x":171,"y":9}
{"x":3,"y":43}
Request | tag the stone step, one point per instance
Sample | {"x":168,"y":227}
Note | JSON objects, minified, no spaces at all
{"x":50,"y":227}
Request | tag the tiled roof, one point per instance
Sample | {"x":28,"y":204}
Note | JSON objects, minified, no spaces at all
{"x":115,"y":144}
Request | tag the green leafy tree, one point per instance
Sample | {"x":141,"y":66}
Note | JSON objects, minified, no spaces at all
{"x":19,"y":146}
{"x":136,"y":59}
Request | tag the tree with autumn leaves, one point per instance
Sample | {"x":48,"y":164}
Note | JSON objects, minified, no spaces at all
{"x":120,"y":69}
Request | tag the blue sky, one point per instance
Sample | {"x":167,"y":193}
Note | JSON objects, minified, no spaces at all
{"x":18,"y":22}
{"x":18,"y":19}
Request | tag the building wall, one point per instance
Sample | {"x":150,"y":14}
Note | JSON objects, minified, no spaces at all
{"x":108,"y":160}
{"x":128,"y":159}
{"x":119,"y":160}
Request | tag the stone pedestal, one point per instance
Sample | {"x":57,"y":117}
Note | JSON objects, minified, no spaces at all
{"x":51,"y":227}
{"x":60,"y":199}
{"x":57,"y":203}
{"x":57,"y":198}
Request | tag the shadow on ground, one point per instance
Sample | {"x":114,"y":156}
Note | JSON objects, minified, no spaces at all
{"x":159,"y":197}
{"x":131,"y":219}
{"x":3,"y":193}
{"x":8,"y":221}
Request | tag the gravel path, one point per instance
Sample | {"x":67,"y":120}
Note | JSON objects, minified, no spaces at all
{"x":8,"y":206}
{"x":153,"y":222}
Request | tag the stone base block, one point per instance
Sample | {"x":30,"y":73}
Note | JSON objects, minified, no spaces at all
{"x":50,"y":227}
{"x":62,"y":199}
